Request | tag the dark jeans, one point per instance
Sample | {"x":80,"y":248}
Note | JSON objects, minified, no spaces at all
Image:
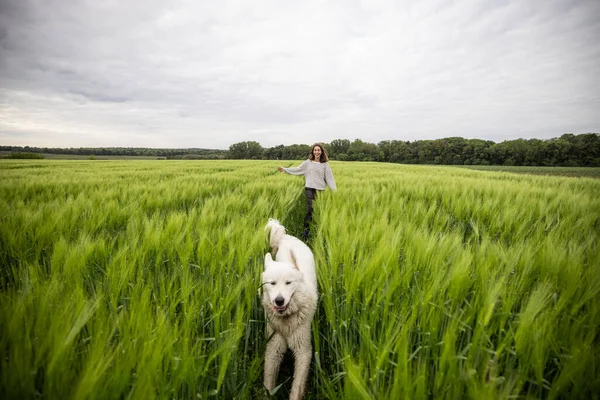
{"x":311,"y":195}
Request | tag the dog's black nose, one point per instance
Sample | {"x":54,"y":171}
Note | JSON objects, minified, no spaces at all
{"x":279,"y":301}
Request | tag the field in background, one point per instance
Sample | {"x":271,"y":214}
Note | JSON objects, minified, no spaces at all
{"x":584,"y":172}
{"x":52,"y":156}
{"x":139,"y":280}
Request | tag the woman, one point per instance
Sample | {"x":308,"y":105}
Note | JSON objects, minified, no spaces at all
{"x":317,"y":174}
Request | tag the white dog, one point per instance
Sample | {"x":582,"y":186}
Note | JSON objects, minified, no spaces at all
{"x":290,"y":300}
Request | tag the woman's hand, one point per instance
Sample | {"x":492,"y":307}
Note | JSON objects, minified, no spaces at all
{"x":280,"y":169}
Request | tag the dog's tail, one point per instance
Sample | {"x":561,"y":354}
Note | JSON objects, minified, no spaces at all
{"x":277,"y":232}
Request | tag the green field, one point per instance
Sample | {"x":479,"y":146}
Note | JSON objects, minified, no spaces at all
{"x":52,"y":156}
{"x":138,"y":280}
{"x":585,"y":172}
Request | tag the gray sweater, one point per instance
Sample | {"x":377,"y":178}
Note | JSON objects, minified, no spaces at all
{"x":317,"y":174}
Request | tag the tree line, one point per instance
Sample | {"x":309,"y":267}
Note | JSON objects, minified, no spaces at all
{"x":191,"y":154}
{"x":569,"y":150}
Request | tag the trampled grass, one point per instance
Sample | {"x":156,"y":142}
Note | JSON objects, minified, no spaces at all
{"x":139,"y":280}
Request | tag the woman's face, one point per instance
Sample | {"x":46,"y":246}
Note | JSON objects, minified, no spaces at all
{"x":317,"y":152}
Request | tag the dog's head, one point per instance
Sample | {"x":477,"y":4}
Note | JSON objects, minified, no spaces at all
{"x":280,"y":281}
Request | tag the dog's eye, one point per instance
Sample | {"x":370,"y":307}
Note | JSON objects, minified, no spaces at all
{"x":272,"y":283}
{"x":288,"y":282}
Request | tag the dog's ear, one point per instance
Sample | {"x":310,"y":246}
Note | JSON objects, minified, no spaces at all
{"x":294,"y":260}
{"x":268,"y":259}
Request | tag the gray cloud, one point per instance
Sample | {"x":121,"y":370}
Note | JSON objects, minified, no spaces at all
{"x":207,"y":74}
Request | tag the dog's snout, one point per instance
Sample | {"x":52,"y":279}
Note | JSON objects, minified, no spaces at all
{"x":279,"y":301}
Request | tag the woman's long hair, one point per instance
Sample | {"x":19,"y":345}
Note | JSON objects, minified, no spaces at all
{"x":324,"y":156}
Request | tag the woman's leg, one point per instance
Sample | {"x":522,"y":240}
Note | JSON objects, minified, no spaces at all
{"x":311,"y":195}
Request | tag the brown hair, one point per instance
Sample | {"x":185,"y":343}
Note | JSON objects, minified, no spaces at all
{"x":324,"y":157}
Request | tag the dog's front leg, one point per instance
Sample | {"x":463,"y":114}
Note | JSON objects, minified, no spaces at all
{"x":301,"y":368}
{"x":302,"y":348}
{"x":275,"y":350}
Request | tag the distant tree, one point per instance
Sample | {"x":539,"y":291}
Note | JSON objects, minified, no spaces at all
{"x":254,"y":150}
{"x":385,"y":147}
{"x":296,"y":152}
{"x":245,"y":150}
{"x":363,"y":151}
{"x":480,"y":151}
{"x":399,"y":151}
{"x":425,"y":151}
{"x":273,"y":153}
{"x":338,"y":146}
{"x":238,"y":151}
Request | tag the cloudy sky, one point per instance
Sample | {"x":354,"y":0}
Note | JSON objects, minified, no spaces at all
{"x":155,"y":73}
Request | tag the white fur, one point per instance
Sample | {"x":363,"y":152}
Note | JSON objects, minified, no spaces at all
{"x":290,"y":300}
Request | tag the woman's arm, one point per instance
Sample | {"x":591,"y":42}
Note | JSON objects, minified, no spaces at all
{"x":329,"y":177}
{"x":299,"y":170}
